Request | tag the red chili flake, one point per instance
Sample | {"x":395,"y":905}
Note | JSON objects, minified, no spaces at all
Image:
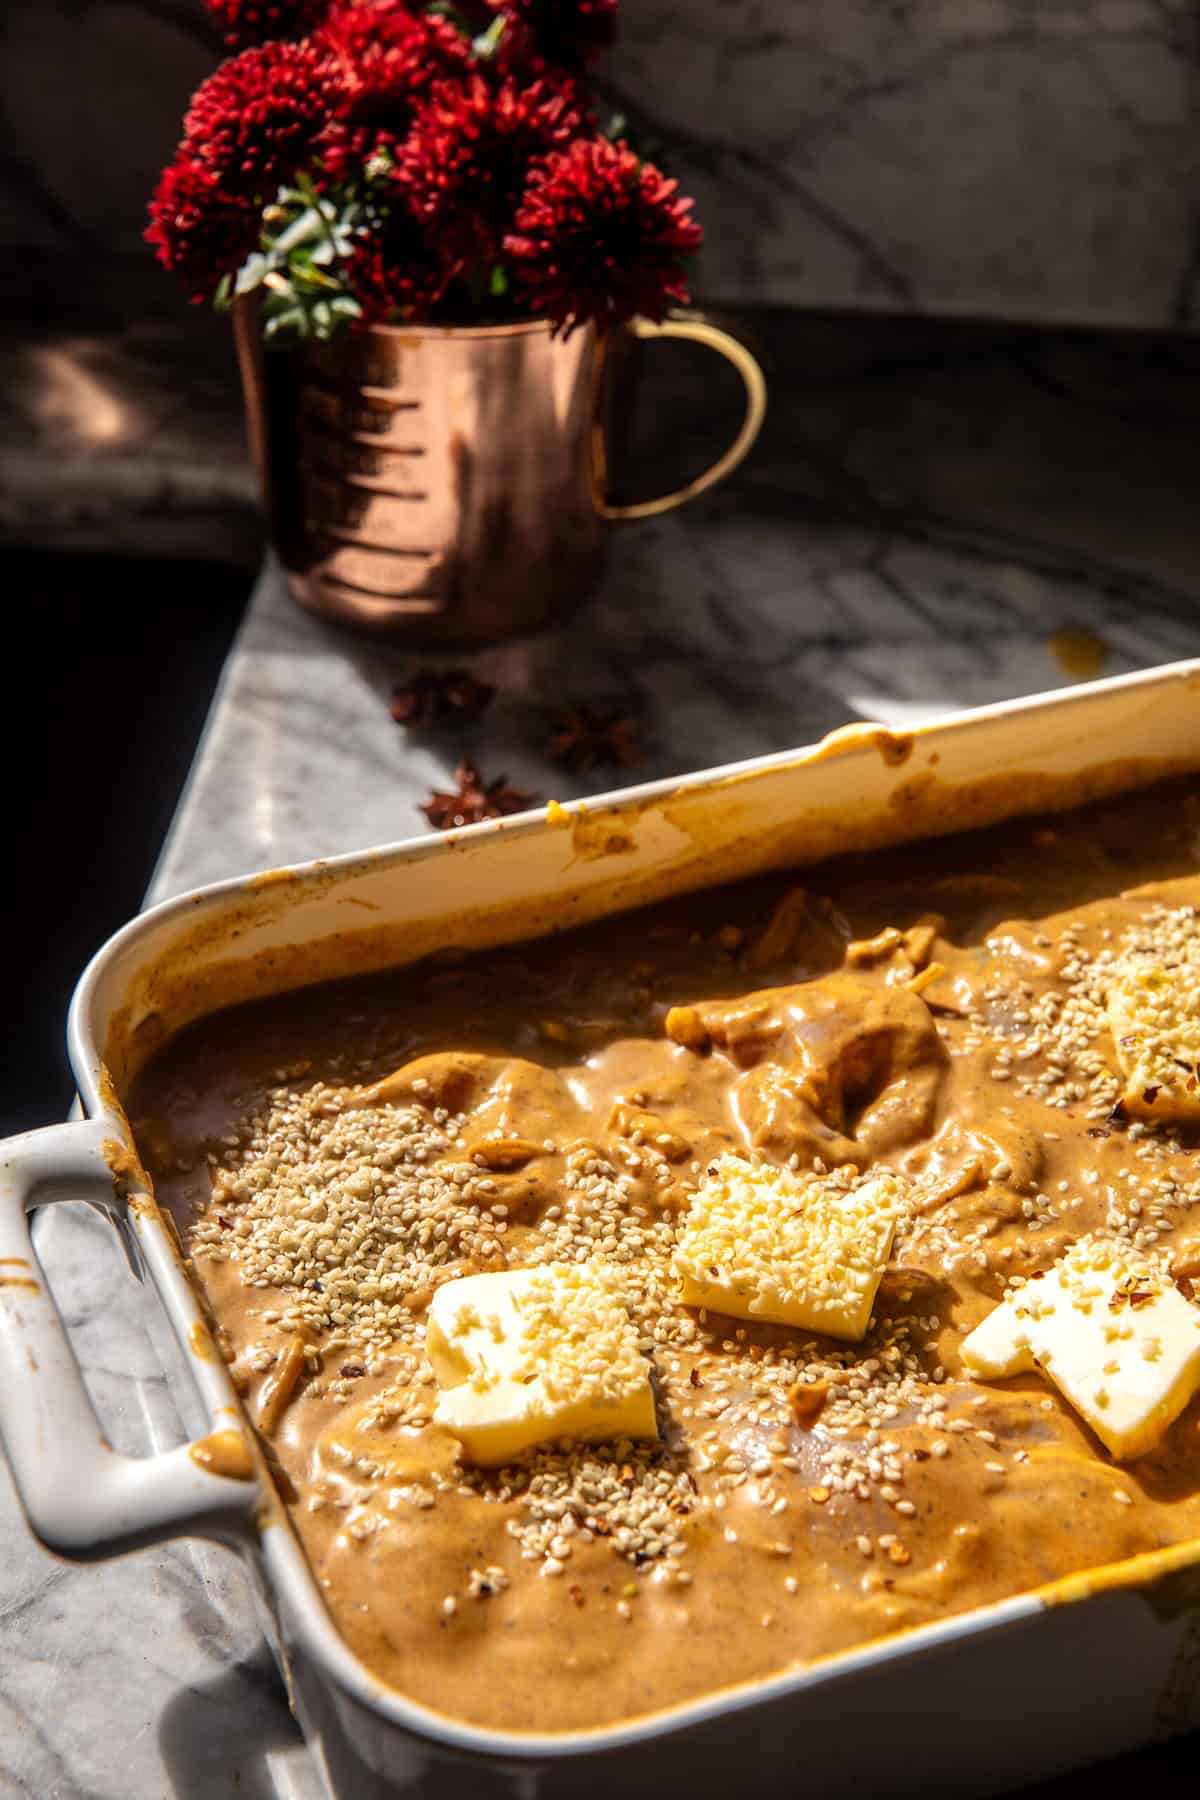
{"x":352,"y":1370}
{"x":1140,"y":1297}
{"x":224,"y":1223}
{"x":694,"y":1378}
{"x":577,"y":1594}
{"x":1151,"y":1094}
{"x":1185,"y":1286}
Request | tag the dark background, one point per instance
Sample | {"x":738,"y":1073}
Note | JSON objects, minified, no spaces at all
{"x":109,"y":680}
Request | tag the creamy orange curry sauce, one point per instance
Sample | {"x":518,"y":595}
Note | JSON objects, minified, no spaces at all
{"x":334,"y":1155}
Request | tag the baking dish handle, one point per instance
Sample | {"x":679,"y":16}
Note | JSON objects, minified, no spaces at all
{"x":83,"y":1498}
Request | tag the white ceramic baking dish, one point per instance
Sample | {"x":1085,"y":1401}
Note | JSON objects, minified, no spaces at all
{"x":1096,"y":1664}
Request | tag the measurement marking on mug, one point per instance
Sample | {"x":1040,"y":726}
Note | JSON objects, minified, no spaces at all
{"x":368,"y":484}
{"x":335,"y":435}
{"x":413,"y":600}
{"x":380,"y":440}
{"x":355,"y":535}
{"x":352,"y":536}
{"x":313,"y":381}
{"x":389,"y":395}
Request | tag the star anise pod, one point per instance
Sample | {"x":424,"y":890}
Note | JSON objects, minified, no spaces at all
{"x":474,"y":799}
{"x":433,"y":694}
{"x":589,"y":735}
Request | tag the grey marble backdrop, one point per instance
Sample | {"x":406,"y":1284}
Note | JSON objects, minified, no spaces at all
{"x":1020,"y":159}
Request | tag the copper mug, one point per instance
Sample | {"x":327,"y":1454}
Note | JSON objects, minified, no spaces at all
{"x":450,"y":484}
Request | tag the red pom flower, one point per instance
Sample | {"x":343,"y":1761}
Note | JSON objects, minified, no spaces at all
{"x":599,"y":236}
{"x":466,"y":161}
{"x":246,"y":22}
{"x":461,"y":169}
{"x":393,"y":271}
{"x":565,"y":33}
{"x":386,"y":61}
{"x":385,"y":51}
{"x":255,"y":121}
{"x":251,"y":126}
{"x":199,"y":231}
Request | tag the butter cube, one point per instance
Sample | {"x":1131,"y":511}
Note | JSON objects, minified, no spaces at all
{"x":1154,"y":1014}
{"x":526,"y":1356}
{"x":788,"y":1249}
{"x":1112,"y":1332}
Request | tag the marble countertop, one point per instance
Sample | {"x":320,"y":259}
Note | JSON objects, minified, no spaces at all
{"x":936,"y":518}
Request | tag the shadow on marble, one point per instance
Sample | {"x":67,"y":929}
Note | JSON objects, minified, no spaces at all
{"x":120,"y":417}
{"x":232,"y":1734}
{"x":734,"y":632}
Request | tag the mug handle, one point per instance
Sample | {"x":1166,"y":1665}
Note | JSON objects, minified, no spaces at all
{"x":696,"y":329}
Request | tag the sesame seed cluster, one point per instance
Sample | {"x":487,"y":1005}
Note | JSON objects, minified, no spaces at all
{"x":797,"y":1248}
{"x":603,"y":1220}
{"x":354,"y":1212}
{"x":1058,"y":1049}
{"x":587,"y":1346}
{"x":625,"y":1493}
{"x":349,"y":1209}
{"x":746,"y":1394}
{"x":357,"y":1213}
{"x":1154,"y":1013}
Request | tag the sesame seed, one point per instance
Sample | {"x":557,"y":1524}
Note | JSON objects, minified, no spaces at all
{"x":349,"y":1215}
